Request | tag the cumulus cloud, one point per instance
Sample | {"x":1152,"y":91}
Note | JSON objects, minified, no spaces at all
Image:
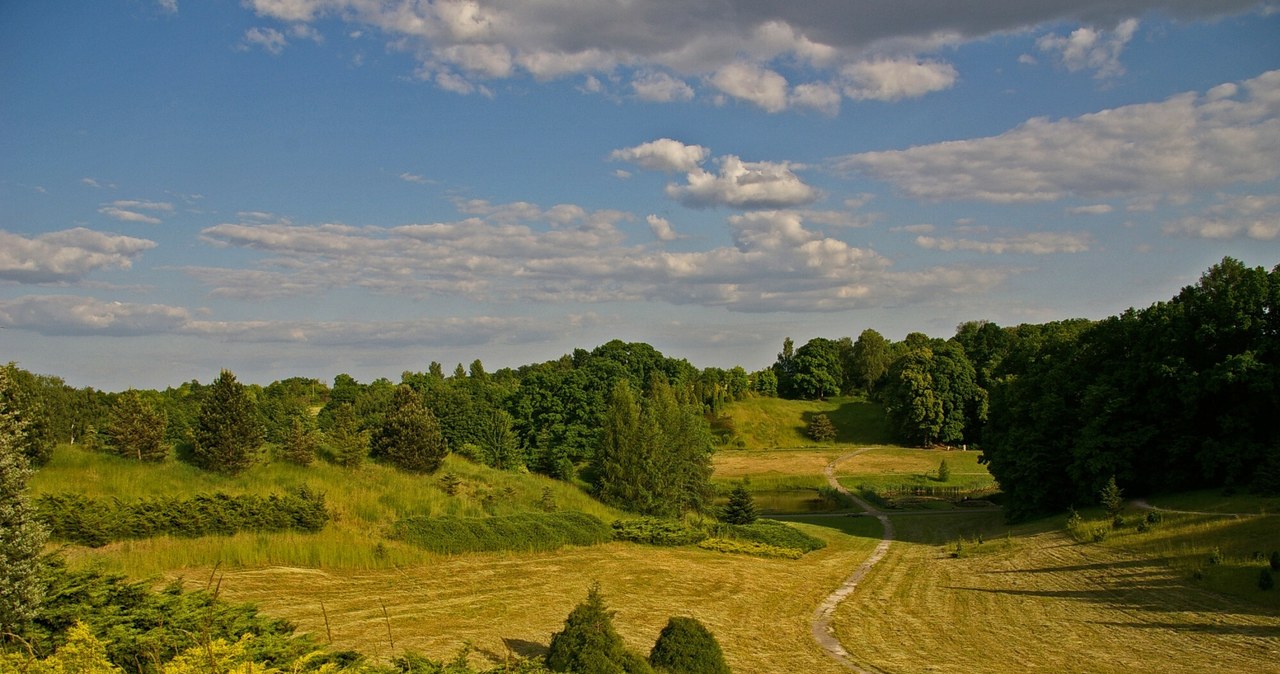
{"x":1088,"y":48}
{"x":520,"y":252}
{"x":60,"y":315}
{"x":65,"y":256}
{"x":745,"y":185}
{"x":663,"y":154}
{"x":1091,"y":209}
{"x":892,"y":80}
{"x":130,"y":210}
{"x":1186,"y":143}
{"x":754,"y":84}
{"x":1032,"y":243}
{"x":659,"y":87}
{"x":415,"y":178}
{"x":269,"y":40}
{"x":738,"y":46}
{"x":1233,"y":216}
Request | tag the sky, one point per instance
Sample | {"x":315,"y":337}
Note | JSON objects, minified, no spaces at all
{"x":312,"y":187}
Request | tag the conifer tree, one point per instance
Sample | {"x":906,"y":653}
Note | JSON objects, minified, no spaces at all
{"x":821,"y":429}
{"x":741,"y":508}
{"x":299,"y":443}
{"x":136,"y":428}
{"x":347,"y":443}
{"x":409,"y":437}
{"x":685,"y":646}
{"x":227,"y":432}
{"x":589,"y":644}
{"x":21,"y":535}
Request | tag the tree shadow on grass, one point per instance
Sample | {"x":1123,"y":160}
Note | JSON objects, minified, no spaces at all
{"x":858,"y":422}
{"x":1163,"y":595}
{"x":523,"y":648}
{"x":1259,"y":631}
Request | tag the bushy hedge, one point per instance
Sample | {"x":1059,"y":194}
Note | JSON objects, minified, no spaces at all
{"x":95,"y":522}
{"x":523,"y":531}
{"x":771,"y":532}
{"x":655,"y":531}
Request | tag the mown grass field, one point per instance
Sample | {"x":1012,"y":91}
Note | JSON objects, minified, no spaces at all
{"x":758,"y":609}
{"x":772,"y":423}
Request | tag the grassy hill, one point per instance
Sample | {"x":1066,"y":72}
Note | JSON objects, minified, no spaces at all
{"x":774,"y":423}
{"x":364,"y":502}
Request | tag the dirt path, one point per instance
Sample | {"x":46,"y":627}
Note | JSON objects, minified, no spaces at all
{"x":821,"y":624}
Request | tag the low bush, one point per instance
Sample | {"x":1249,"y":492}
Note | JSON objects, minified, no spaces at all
{"x":656,"y":531}
{"x":522,"y":531}
{"x":685,"y":646}
{"x":771,"y":532}
{"x":96,"y":522}
{"x":752,"y":548}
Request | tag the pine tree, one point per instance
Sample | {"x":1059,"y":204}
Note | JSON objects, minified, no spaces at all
{"x":944,"y":471}
{"x":685,"y":646}
{"x":21,"y":535}
{"x":299,"y":444}
{"x":821,"y":429}
{"x":1112,"y":498}
{"x":410,"y":437}
{"x":227,"y":432}
{"x":136,"y":428}
{"x":347,"y":443}
{"x":741,"y":508}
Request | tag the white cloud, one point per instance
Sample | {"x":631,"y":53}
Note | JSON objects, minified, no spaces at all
{"x":662,"y":228}
{"x":1091,"y":209}
{"x":753,"y":84}
{"x":1088,"y":48}
{"x":521,"y":253}
{"x":746,"y":185}
{"x":663,"y":154}
{"x":415,"y":178}
{"x":824,"y":98}
{"x":1233,"y":216}
{"x":1033,"y":243}
{"x":738,"y":43}
{"x":65,"y":256}
{"x":269,"y":40}
{"x":129,"y":210}
{"x":892,"y":80}
{"x":1183,"y":144}
{"x":922,"y":228}
{"x":659,"y":87}
{"x":58,"y":315}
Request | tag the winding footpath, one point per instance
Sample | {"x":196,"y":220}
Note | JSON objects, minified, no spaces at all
{"x":822,"y":616}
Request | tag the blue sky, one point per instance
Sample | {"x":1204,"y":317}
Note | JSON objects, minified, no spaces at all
{"x":311,"y":187}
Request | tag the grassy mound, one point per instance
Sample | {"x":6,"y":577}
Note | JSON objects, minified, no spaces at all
{"x":768,"y":423}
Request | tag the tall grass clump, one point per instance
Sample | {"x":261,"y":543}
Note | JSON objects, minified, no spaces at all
{"x":523,"y":531}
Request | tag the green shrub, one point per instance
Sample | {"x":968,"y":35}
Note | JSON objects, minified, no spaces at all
{"x":1154,"y":517}
{"x":685,"y":646}
{"x":834,"y":498}
{"x":1215,"y":557}
{"x":749,"y":548}
{"x":95,"y":522}
{"x":588,"y":644}
{"x":522,"y":531}
{"x":944,"y":471}
{"x":656,"y":531}
{"x":772,"y":532}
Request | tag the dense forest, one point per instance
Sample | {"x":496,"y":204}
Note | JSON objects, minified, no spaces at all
{"x":1174,"y":396}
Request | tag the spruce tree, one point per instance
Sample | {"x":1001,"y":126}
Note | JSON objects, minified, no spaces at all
{"x":409,"y":437}
{"x":588,"y":644}
{"x":21,"y":535}
{"x":347,"y":443}
{"x":1112,"y":498}
{"x":741,"y":508}
{"x":944,"y":471}
{"x":685,"y":646}
{"x":136,"y":428}
{"x":821,"y":429}
{"x":299,"y":443}
{"x":227,"y":432}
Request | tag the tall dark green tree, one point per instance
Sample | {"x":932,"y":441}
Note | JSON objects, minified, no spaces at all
{"x":816,"y":370}
{"x":24,"y":392}
{"x":21,"y":535}
{"x":409,"y":437}
{"x":299,"y":443}
{"x":741,"y":508}
{"x":136,"y":428}
{"x":931,"y":395}
{"x":228,"y":433}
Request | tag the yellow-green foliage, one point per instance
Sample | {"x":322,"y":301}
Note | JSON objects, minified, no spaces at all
{"x":740,"y":547}
{"x":82,"y":654}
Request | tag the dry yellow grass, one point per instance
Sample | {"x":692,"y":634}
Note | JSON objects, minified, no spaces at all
{"x":1043,"y":603}
{"x":733,"y":464}
{"x":759,"y":609}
